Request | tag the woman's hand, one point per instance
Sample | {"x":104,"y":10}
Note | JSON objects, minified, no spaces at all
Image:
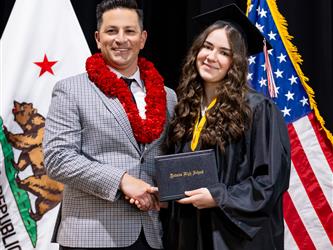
{"x":199,"y":198}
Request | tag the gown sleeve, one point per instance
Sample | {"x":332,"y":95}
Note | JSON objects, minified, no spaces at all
{"x":262,"y":175}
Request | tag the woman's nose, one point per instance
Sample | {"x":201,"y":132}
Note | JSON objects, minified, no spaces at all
{"x":212,"y":55}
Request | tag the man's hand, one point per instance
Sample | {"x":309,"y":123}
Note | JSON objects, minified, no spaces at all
{"x":154,"y":193}
{"x":138,"y":192}
{"x":199,"y":198}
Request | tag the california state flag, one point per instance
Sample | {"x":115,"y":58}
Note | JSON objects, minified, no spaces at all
{"x":41,"y":44}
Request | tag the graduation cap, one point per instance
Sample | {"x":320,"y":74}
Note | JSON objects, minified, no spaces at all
{"x":233,"y":15}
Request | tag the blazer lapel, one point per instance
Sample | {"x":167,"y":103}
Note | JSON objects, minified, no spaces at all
{"x":115,"y":107}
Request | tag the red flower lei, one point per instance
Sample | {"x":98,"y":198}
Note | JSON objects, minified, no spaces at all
{"x":144,"y":130}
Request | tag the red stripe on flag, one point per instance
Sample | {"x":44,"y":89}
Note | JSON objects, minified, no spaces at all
{"x":310,"y":182}
{"x":295,"y":224}
{"x":324,"y":142}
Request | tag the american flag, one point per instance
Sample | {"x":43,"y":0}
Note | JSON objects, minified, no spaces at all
{"x":308,"y":203}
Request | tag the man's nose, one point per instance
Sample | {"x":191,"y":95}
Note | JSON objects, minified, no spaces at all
{"x":121,"y":37}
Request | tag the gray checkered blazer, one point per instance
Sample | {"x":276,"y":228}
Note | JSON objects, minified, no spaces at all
{"x":88,"y":145}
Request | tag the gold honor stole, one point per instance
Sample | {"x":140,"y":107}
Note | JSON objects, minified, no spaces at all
{"x":199,"y":125}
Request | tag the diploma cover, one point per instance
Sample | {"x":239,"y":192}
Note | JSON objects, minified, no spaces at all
{"x":182,"y":172}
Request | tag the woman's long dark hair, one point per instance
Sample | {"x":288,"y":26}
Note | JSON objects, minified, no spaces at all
{"x":230,"y":117}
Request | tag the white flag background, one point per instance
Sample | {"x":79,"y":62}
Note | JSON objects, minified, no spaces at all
{"x":41,"y":44}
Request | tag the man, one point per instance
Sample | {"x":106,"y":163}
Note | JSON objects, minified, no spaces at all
{"x":102,"y":135}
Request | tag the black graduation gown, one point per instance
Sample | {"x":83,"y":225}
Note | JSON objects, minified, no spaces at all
{"x":253,"y":175}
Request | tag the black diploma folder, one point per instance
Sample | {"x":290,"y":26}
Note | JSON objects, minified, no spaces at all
{"x":182,"y":172}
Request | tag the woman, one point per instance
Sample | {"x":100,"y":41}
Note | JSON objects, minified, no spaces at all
{"x":218,"y":110}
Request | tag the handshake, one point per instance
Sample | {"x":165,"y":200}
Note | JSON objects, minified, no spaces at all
{"x":146,"y":197}
{"x":140,"y":193}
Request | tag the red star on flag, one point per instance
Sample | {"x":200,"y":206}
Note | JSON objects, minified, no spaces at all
{"x":45,"y":65}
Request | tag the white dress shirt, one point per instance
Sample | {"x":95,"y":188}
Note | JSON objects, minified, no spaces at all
{"x":138,"y":90}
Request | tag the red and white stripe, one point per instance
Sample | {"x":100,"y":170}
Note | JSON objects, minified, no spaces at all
{"x":309,"y":201}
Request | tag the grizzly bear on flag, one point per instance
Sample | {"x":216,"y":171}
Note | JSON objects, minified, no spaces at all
{"x":48,"y":191}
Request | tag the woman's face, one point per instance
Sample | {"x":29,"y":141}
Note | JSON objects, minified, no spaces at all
{"x":215,"y":57}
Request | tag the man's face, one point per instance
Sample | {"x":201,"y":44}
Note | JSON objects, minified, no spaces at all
{"x":120,"y":39}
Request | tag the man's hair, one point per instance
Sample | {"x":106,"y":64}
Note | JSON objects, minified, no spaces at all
{"x":106,"y":5}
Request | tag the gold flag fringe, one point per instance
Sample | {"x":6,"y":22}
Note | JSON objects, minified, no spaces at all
{"x":295,"y":58}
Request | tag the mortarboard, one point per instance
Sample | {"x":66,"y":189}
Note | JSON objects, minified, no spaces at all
{"x":232,"y":14}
